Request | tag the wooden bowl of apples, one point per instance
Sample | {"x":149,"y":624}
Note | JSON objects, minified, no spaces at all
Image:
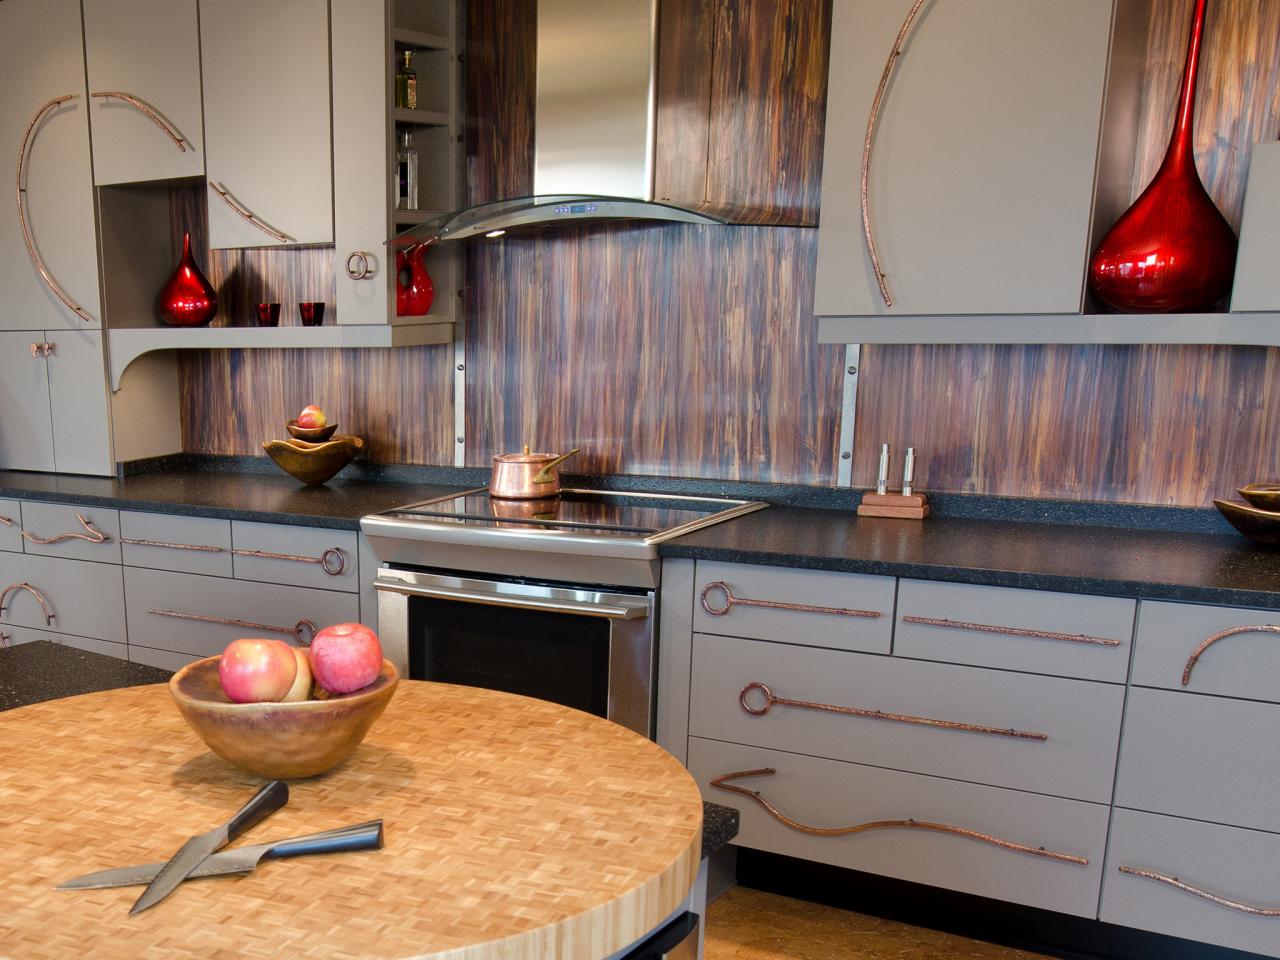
{"x":283,"y":712}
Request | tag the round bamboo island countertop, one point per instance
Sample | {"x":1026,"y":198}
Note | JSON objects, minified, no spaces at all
{"x":515,"y":828}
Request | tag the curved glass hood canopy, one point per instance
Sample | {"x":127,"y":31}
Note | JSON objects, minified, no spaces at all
{"x":610,"y":142}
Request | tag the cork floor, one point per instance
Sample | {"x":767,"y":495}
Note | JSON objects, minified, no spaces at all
{"x":752,"y":925}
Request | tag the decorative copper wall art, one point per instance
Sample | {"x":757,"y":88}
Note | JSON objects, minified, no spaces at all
{"x":1172,"y":250}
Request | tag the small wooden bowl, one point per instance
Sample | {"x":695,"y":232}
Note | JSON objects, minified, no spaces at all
{"x":1260,"y":526}
{"x":1264,"y":496}
{"x":311,"y":434}
{"x":280,"y":741}
{"x":313,"y":463}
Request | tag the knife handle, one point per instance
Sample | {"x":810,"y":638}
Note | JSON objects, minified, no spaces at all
{"x":265,"y":802}
{"x":362,"y":836}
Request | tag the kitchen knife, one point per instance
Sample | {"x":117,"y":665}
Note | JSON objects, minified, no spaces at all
{"x":265,"y":802}
{"x":362,"y":836}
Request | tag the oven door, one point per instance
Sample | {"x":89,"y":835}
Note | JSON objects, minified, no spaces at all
{"x":579,"y":646}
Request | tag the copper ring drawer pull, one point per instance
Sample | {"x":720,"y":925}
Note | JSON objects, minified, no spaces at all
{"x":868,"y":144}
{"x":1013,"y":631}
{"x":1203,"y":894}
{"x":770,"y":701}
{"x":908,"y":824}
{"x":1221,"y":635}
{"x":49,"y":615}
{"x":37,"y":261}
{"x":730,"y":601}
{"x":333,"y":561}
{"x":171,"y":546}
{"x":303,"y":631}
{"x":146,"y":110}
{"x":222,"y":191}
{"x":94,"y":535}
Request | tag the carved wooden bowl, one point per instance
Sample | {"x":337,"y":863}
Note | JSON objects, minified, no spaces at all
{"x":1264,"y":496}
{"x":311,"y":434}
{"x":313,"y":463}
{"x":1260,"y":526}
{"x":280,"y":741}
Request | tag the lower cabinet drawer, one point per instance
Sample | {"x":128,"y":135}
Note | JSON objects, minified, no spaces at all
{"x":1240,"y":867}
{"x":189,"y":614}
{"x":296,"y":556}
{"x":73,"y":531}
{"x":164,"y":541}
{"x":1008,"y":865}
{"x":1208,"y":758}
{"x":11,"y":525}
{"x":982,"y":721}
{"x":11,"y":636}
{"x":64,"y":596}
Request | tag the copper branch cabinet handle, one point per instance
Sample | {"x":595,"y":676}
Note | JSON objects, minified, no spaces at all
{"x":730,"y":601}
{"x":1221,"y":635}
{"x":333,"y":561}
{"x":171,"y":546}
{"x":721,"y":783}
{"x":49,"y":615}
{"x":36,"y":260}
{"x":303,"y":631}
{"x":1013,"y":631}
{"x":868,"y":144}
{"x":1203,"y":894}
{"x":770,"y":701}
{"x":7,"y":521}
{"x":147,"y":111}
{"x":246,"y":213}
{"x":93,"y":534}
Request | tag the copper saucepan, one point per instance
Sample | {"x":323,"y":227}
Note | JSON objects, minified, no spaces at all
{"x":526,"y":476}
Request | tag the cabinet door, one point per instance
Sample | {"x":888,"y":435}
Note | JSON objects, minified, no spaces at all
{"x":148,"y":50}
{"x":981,"y":182}
{"x":26,"y":432}
{"x":42,"y":58}
{"x":268,"y":144}
{"x":79,"y":402}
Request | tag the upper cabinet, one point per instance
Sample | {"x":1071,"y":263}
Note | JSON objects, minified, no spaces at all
{"x":48,"y":256}
{"x":143,"y":60}
{"x":980,"y":187}
{"x":269,"y":153}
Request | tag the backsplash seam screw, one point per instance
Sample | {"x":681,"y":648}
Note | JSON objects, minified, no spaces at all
{"x":462,"y":366}
{"x":846,"y":455}
{"x":461,"y":439}
{"x":853,"y":371}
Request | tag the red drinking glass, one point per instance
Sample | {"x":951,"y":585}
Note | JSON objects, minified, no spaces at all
{"x":1172,"y":251}
{"x":311,"y":312}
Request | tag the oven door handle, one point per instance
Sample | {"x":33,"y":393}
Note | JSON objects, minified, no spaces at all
{"x":621,"y":610}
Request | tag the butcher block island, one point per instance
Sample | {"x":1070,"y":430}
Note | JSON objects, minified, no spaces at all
{"x":514,"y":828}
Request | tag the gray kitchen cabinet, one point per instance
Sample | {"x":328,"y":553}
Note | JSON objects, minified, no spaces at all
{"x":11,"y":524}
{"x":982,"y":176}
{"x":267,"y":124}
{"x":143,"y":65}
{"x":74,"y":597}
{"x":57,"y":409}
{"x":1079,"y":720}
{"x":183,"y":544}
{"x":74,"y":531}
{"x":1065,"y":634}
{"x":828,"y":793}
{"x":1239,"y":866}
{"x":296,"y":556}
{"x":42,"y":60}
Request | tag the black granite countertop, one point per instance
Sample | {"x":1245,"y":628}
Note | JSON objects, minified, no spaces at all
{"x":44,"y":670}
{"x":233,"y":495}
{"x":1157,"y":564}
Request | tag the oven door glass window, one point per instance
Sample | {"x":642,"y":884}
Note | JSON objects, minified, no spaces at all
{"x":560,"y":657}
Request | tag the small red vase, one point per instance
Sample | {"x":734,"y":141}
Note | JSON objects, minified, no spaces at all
{"x":187,"y":299}
{"x":414,"y":289}
{"x":1172,"y":251}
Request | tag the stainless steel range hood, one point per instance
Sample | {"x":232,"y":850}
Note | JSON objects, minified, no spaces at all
{"x":595,"y":118}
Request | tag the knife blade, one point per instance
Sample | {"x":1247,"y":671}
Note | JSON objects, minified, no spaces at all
{"x":265,"y":802}
{"x":242,"y":860}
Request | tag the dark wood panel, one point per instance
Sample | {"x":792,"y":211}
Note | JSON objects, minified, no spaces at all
{"x":686,"y":351}
{"x":682,"y":108}
{"x":501,"y":51}
{"x":399,"y":400}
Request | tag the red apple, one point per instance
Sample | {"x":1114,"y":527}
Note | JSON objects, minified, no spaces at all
{"x":256,"y":670}
{"x":345,"y":657}
{"x":312,"y":417}
{"x":301,"y":689}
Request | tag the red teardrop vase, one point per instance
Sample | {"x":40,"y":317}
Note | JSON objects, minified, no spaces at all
{"x":187,"y":299}
{"x":1172,"y":251}
{"x":414,"y":289}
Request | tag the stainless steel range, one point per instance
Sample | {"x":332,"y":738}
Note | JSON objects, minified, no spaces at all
{"x":549,"y":598}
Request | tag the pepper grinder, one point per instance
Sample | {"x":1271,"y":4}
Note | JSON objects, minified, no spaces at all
{"x":907,"y":504}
